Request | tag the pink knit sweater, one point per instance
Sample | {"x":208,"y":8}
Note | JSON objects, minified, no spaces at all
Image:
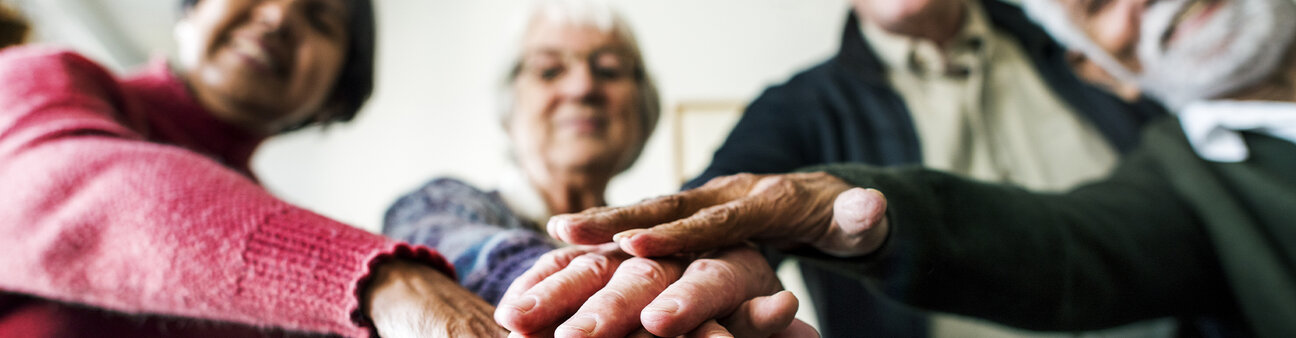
{"x":126,"y":195}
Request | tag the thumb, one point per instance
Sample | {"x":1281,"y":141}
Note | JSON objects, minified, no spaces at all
{"x":858,"y":210}
{"x":859,"y":223}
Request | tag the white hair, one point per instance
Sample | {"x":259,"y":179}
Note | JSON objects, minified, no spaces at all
{"x":1243,"y":44}
{"x":600,"y":15}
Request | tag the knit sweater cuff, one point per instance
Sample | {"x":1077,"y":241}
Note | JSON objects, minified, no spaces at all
{"x":311,"y":270}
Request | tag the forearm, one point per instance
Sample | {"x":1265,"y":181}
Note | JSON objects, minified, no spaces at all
{"x":138,"y":227}
{"x":1095,"y":257}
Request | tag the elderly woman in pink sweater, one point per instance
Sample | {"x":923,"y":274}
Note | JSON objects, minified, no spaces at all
{"x":127,"y":207}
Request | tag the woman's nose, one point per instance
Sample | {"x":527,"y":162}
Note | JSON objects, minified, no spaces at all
{"x":274,"y":14}
{"x":578,"y":83}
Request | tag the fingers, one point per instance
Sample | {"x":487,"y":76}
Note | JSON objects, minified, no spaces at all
{"x":715,"y":227}
{"x":613,"y":311}
{"x":558,"y":294}
{"x":599,"y":225}
{"x":798,"y":329}
{"x":641,"y":333}
{"x":546,"y":333}
{"x":547,"y":265}
{"x":858,"y":209}
{"x":763,"y":316}
{"x":859,"y":223}
{"x":710,"y":329}
{"x":710,"y":288}
{"x":777,"y":210}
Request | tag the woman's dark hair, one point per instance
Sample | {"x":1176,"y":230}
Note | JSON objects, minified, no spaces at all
{"x":356,"y":80}
{"x":13,"y":27}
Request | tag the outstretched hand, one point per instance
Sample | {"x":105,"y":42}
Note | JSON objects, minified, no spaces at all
{"x":815,"y":209}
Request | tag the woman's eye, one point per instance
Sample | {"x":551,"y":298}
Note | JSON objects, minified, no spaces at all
{"x":609,"y":73}
{"x":323,"y":18}
{"x":550,"y":73}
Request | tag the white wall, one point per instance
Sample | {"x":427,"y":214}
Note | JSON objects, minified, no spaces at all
{"x":439,"y":62}
{"x":433,"y":111}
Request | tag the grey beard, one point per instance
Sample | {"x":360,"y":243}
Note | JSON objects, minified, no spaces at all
{"x":1242,"y":45}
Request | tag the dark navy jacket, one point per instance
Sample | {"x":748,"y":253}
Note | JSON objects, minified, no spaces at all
{"x":844,"y":110}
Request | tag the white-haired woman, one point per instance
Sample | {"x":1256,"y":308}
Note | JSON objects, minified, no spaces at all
{"x":579,"y":108}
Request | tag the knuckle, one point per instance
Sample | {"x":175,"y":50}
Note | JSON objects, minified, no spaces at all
{"x":645,"y":271}
{"x":560,"y":257}
{"x":784,"y":183}
{"x":594,"y":263}
{"x":716,"y":270}
{"x":717,"y":215}
{"x":617,"y":298}
{"x":670,"y":202}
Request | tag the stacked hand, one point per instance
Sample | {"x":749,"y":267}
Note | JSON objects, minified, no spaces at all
{"x":603,"y":292}
{"x":412,"y":300}
{"x":813,"y":209}
{"x":702,"y":279}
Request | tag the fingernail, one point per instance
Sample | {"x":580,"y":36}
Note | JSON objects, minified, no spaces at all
{"x":556,"y":224}
{"x":668,"y":306}
{"x":584,"y":325}
{"x":623,"y":235}
{"x":524,"y":304}
{"x":556,"y":221}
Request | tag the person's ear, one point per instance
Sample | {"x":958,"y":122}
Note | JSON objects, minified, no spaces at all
{"x":188,"y":46}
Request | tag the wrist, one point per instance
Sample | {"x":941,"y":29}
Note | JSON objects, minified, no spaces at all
{"x":397,"y":281}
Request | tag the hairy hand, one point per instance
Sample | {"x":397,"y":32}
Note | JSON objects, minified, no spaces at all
{"x":411,"y":300}
{"x":781,"y":210}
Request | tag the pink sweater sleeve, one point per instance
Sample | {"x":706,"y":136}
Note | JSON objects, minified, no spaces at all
{"x":92,"y":213}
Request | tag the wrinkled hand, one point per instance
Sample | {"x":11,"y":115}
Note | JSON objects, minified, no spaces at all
{"x":412,"y":300}
{"x":602,"y":292}
{"x":782,"y":210}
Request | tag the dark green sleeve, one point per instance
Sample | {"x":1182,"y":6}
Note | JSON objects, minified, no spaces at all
{"x":1107,"y":253}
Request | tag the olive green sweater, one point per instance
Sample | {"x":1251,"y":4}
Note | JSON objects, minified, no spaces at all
{"x":1168,"y":234}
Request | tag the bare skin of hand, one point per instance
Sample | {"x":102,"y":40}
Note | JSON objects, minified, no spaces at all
{"x":412,"y":300}
{"x":602,"y":292}
{"x":781,"y":210}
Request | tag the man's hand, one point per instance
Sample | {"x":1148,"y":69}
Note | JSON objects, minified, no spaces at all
{"x":411,"y":300}
{"x":781,"y":210}
{"x":600,"y":291}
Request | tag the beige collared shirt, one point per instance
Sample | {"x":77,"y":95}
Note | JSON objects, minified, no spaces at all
{"x":980,"y":109}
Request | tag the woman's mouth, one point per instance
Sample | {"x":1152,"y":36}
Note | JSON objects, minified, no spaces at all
{"x":256,"y":54}
{"x":585,"y":125}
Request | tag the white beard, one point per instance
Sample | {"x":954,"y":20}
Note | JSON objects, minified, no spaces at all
{"x":1242,"y":44}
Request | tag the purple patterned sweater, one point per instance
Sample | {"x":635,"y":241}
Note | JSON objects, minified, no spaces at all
{"x":488,"y":243}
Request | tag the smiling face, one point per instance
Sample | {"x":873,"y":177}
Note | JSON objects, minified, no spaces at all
{"x":1185,"y":50}
{"x":575,"y":100}
{"x":263,"y":65}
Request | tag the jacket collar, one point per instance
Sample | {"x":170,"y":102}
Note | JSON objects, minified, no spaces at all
{"x":862,"y":61}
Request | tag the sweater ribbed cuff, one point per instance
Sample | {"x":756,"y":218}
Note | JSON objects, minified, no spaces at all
{"x":306,"y":270}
